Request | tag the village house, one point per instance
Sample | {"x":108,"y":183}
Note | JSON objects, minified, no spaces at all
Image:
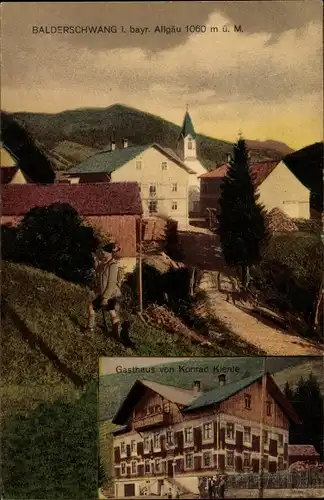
{"x":277,"y":186}
{"x":163,"y":178}
{"x":114,"y":209}
{"x":303,"y":453}
{"x":169,"y":437}
{"x":168,"y":181}
{"x":10,"y":173}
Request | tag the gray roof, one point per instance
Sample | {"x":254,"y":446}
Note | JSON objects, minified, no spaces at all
{"x":171,"y":393}
{"x":221,"y":393}
{"x":109,"y":161}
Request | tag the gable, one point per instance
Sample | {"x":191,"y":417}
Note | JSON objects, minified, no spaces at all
{"x":282,"y":176}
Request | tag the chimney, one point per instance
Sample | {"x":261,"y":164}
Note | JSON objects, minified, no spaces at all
{"x":222,"y":379}
{"x":196,"y":387}
{"x":125,"y":141}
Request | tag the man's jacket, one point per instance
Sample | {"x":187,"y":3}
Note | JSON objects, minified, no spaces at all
{"x":107,"y":279}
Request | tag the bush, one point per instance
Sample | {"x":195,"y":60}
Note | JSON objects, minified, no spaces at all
{"x":54,"y":239}
{"x":290,"y":273}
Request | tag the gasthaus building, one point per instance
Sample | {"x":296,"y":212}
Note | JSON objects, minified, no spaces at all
{"x":168,"y":437}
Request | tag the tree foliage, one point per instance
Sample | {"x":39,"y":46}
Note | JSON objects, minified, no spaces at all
{"x":241,"y":225}
{"x":309,"y":405}
{"x":55,"y":239}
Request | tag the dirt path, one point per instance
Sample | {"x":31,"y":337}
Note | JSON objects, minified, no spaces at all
{"x":270,"y":339}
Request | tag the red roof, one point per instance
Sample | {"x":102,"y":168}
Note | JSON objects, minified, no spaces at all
{"x":259,"y":171}
{"x":116,"y":198}
{"x":302,"y":449}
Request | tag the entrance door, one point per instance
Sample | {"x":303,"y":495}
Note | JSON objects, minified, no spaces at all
{"x":160,"y":487}
{"x":129,"y":490}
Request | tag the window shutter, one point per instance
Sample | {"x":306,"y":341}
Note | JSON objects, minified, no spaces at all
{"x":140,"y":448}
{"x":117,"y":454}
{"x":239,"y":441}
{"x":128,"y":450}
{"x":197,"y":438}
{"x":255,"y":443}
{"x":117,"y":471}
{"x":238,"y":464}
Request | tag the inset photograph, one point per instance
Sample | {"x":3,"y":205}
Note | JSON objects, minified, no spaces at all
{"x":211,"y":427}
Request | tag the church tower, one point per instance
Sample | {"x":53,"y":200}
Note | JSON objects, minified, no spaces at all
{"x":186,"y":146}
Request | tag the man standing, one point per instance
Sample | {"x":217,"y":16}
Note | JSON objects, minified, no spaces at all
{"x":107,"y":288}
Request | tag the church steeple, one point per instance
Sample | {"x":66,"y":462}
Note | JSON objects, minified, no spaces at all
{"x":187,"y":139}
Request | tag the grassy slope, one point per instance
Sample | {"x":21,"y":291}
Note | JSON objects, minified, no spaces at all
{"x":93,"y":128}
{"x":50,"y":315}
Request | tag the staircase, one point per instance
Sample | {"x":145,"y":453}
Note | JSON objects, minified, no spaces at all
{"x":179,"y":487}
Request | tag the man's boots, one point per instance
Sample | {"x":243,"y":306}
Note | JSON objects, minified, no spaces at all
{"x":124,"y":334}
{"x":116,"y":328}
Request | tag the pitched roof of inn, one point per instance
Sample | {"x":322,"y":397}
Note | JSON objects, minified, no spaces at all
{"x":221,"y":393}
{"x":302,"y":449}
{"x":109,"y":161}
{"x":176,"y":395}
{"x":259,"y":171}
{"x":116,"y":198}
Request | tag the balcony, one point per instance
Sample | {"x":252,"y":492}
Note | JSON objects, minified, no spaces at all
{"x":151,"y":421}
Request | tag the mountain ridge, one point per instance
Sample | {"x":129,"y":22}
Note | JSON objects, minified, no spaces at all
{"x":92,"y":127}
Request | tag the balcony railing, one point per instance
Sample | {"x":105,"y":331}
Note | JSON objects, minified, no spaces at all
{"x":151,"y":421}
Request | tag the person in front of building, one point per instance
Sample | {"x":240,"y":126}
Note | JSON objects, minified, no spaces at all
{"x":221,"y":488}
{"x":107,"y":289}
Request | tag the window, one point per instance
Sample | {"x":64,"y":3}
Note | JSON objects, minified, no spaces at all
{"x":230,"y":458}
{"x":152,"y":189}
{"x":147,"y":468}
{"x":174,"y":205}
{"x":123,"y":468}
{"x":158,"y":465}
{"x":280,"y":440}
{"x":146,"y":443}
{"x":156,"y":440}
{"x":134,"y":468}
{"x":188,"y":435}
{"x":189,"y":144}
{"x":247,"y":401}
{"x":247,"y":434}
{"x":207,"y":459}
{"x":246,"y":459}
{"x":133,"y":446}
{"x":230,"y":431}
{"x":208,"y":431}
{"x":122,"y":447}
{"x":164,"y":165}
{"x":265,"y":462}
{"x":280,"y":462}
{"x":138,"y":165}
{"x":189,"y":461}
{"x":152,"y":207}
{"x":174,"y":187}
{"x":269,"y":408}
{"x":170,"y":438}
{"x":265,"y":437}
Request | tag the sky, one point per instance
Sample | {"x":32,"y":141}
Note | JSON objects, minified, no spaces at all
{"x":265,"y":81}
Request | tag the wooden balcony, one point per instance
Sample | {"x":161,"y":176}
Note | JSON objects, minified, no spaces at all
{"x":159,"y":419}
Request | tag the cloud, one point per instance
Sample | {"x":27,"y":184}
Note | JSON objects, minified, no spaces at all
{"x":274,"y":65}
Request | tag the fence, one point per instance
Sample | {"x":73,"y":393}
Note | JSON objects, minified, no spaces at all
{"x":310,"y":478}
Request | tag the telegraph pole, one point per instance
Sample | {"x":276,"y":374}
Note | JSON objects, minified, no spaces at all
{"x":263,"y":397}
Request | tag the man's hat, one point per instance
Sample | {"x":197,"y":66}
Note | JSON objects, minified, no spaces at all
{"x":111,"y":247}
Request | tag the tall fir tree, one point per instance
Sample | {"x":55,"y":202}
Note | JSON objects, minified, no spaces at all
{"x":309,"y":405}
{"x":241,"y":224}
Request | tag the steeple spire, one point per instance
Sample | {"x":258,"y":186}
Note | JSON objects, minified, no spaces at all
{"x":187,"y":126}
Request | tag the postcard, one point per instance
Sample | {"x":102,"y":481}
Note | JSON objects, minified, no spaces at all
{"x":161,"y":195}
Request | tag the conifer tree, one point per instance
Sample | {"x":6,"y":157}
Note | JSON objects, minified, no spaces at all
{"x":241,"y":227}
